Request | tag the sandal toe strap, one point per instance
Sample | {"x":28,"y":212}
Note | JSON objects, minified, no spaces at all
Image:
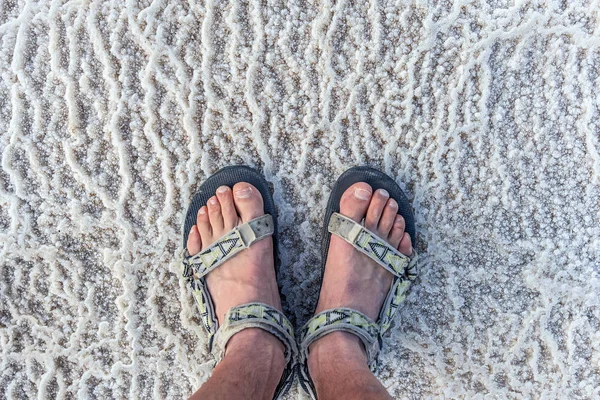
{"x":239,"y":238}
{"x":373,"y":246}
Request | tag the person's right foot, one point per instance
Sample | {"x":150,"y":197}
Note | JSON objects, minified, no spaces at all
{"x":249,"y":276}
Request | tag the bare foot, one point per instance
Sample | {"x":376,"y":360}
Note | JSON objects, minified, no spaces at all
{"x":250,"y":275}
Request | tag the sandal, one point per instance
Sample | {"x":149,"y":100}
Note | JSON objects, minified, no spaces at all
{"x":196,"y":267}
{"x":402,"y":267}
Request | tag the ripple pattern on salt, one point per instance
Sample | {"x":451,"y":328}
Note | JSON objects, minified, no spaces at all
{"x":486,"y":112}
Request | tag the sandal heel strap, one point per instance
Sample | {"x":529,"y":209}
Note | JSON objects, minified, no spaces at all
{"x":256,"y":315}
{"x":341,"y":319}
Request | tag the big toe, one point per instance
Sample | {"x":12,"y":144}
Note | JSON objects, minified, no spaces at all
{"x":355,"y":201}
{"x":248,"y":201}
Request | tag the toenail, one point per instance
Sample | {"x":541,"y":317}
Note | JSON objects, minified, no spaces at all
{"x":393,"y":203}
{"x":383,"y":192}
{"x":362,"y":194}
{"x":222,"y":189}
{"x":213,"y":201}
{"x":202,"y":211}
{"x":243,"y":193}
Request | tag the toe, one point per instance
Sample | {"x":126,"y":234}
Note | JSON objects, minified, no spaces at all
{"x":215,"y":216}
{"x":203,"y":226}
{"x":355,"y":201}
{"x":194,"y":243}
{"x":405,"y":245}
{"x":230,"y":217}
{"x":248,"y":201}
{"x":397,"y":231}
{"x":375,"y":210}
{"x":387,"y":218}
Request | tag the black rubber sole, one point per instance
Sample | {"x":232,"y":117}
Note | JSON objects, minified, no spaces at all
{"x":229,"y":176}
{"x":377,"y":180}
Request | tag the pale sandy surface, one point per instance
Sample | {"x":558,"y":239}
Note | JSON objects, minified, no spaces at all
{"x":487,"y":113}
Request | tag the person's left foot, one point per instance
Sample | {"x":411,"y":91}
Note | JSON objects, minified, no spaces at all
{"x":352,"y":279}
{"x":250,"y":275}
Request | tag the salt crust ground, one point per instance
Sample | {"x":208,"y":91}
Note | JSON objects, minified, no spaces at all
{"x":486,"y":112}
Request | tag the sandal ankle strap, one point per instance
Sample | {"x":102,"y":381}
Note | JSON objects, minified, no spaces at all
{"x":256,"y":315}
{"x":341,"y":319}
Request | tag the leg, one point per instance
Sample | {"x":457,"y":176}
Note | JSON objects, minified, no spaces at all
{"x":254,"y":359}
{"x":251,"y":368}
{"x":337,"y":362}
{"x":338,"y":367}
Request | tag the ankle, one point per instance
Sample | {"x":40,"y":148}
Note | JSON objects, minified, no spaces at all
{"x":252,"y":368}
{"x":340,"y":357}
{"x":334,"y":350}
{"x":255,"y":340}
{"x":258,"y":352}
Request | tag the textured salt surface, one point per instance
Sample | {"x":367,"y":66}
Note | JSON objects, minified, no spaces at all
{"x":486,"y":112}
